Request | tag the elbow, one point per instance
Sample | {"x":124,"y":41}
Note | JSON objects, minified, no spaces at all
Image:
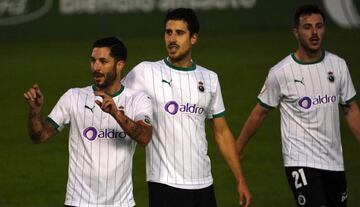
{"x":145,"y":139}
{"x":38,"y":139}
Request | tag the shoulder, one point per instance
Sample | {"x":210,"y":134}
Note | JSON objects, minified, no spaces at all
{"x":135,"y":94}
{"x":206,"y":72}
{"x":147,"y":64}
{"x":79,"y":91}
{"x":282,"y":64}
{"x":83,"y":90}
{"x":333,"y":57}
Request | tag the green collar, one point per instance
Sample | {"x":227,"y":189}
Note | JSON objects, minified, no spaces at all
{"x":192,"y":67}
{"x":113,"y":95}
{"x":308,"y":63}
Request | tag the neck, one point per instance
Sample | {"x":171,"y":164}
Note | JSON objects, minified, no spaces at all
{"x":182,"y":62}
{"x":308,"y":56}
{"x":111,"y":89}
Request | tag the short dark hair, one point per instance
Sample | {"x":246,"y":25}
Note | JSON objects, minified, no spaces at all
{"x":187,"y":15}
{"x":118,"y":49}
{"x":307,"y":9}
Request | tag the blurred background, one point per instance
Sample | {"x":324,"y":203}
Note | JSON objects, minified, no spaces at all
{"x":49,"y":42}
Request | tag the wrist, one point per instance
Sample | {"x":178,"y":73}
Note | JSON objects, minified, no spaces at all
{"x":35,"y":112}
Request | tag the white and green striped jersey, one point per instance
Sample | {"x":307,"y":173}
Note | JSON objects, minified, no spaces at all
{"x":100,"y":152}
{"x":308,"y":95}
{"x":182,"y":99}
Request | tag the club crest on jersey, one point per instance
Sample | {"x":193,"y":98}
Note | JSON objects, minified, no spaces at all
{"x":91,"y":133}
{"x":301,"y":200}
{"x":331,"y":76}
{"x":201,"y":86}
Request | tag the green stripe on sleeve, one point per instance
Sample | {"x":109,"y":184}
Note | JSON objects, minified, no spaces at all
{"x":348,"y":101}
{"x":222,"y":114}
{"x":264,"y":104}
{"x":52,"y":122}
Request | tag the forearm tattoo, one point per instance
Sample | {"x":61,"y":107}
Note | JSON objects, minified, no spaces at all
{"x":136,"y":131}
{"x":35,"y":125}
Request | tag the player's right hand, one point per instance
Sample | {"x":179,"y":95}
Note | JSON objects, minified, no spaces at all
{"x":34,"y":98}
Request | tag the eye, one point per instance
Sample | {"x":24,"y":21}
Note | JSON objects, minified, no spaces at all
{"x":319,"y":26}
{"x":306,"y":26}
{"x":168,"y":32}
{"x":180,"y":32}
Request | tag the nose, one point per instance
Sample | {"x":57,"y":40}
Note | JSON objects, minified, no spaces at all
{"x":171,"y":38}
{"x":314,"y":30}
{"x":95,"y":66}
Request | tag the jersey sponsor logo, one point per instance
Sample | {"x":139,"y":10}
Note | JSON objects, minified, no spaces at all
{"x":306,"y":102}
{"x":172,"y":107}
{"x":91,"y":133}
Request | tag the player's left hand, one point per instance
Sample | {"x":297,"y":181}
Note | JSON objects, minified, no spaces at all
{"x":107,"y":104}
{"x":244,"y":194}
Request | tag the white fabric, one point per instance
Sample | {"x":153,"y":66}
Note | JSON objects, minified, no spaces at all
{"x":177,"y":155}
{"x":308,"y":102}
{"x":101,"y":153}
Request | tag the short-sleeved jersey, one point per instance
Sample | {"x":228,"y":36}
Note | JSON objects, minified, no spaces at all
{"x":182,"y":99}
{"x":308,"y":96}
{"x":100,"y":151}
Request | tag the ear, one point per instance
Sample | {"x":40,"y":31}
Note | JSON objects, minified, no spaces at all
{"x":295,"y":32}
{"x":194,"y":39}
{"x":120,"y":65}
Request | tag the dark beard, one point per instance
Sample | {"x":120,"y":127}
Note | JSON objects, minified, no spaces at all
{"x":109,"y":79}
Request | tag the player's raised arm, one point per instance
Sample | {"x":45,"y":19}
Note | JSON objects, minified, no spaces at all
{"x":39,"y":131}
{"x":226,"y":143}
{"x":139,"y":131}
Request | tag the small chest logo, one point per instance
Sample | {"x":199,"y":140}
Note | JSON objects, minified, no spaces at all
{"x":201,"y":86}
{"x":90,"y":108}
{"x":331,"y":76}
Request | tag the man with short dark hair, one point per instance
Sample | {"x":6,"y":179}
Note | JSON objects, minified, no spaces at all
{"x":308,"y":86}
{"x":184,"y":95}
{"x":106,"y":120}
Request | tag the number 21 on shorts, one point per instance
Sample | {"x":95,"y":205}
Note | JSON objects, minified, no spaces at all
{"x":299,"y":178}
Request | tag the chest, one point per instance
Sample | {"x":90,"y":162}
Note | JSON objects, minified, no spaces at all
{"x":189,"y":90}
{"x":314,"y":82}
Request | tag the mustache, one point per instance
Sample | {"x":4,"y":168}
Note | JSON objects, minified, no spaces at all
{"x":96,"y":73}
{"x":172,"y":45}
{"x":314,"y":37}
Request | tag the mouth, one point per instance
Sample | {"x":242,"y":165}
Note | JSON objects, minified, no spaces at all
{"x":314,"y":40}
{"x":172,"y":48}
{"x":98,"y":76}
